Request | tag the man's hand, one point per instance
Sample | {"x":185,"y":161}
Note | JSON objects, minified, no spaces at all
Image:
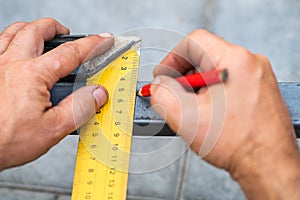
{"x":242,"y":126}
{"x":30,"y":126}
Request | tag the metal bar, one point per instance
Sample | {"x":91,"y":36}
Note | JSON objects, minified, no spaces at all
{"x":148,"y":123}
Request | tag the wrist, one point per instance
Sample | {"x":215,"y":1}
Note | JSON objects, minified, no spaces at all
{"x":275,"y":175}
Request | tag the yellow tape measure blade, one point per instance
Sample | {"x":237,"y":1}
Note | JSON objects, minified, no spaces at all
{"x":105,"y":141}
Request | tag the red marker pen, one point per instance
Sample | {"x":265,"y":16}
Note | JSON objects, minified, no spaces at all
{"x":194,"y":81}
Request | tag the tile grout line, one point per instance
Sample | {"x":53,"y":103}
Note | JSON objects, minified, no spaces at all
{"x":36,"y":188}
{"x":182,"y":175}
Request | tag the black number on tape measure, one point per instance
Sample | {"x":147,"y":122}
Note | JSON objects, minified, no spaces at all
{"x":114,"y":159}
{"x":112,"y":171}
{"x":120,"y":100}
{"x":117,"y":134}
{"x":122,"y":79}
{"x":119,"y":111}
{"x":95,"y":134}
{"x":115,"y":147}
{"x":90,"y":182}
{"x":110,"y":197}
{"x":93,"y":146}
{"x":121,"y":89}
{"x":111,"y":183}
{"x":124,"y":57}
{"x":124,"y":68}
{"x":96,"y":123}
{"x":88,"y":196}
{"x":91,"y":170}
{"x":117,"y":123}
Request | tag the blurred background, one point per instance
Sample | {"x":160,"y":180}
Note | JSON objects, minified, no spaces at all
{"x":262,"y":26}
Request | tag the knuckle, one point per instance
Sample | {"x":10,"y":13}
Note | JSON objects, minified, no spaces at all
{"x":11,"y":31}
{"x":263,"y":59}
{"x":37,"y":25}
{"x":199,"y":33}
{"x":48,"y":20}
{"x":243,"y":55}
{"x":242,"y":52}
{"x":264,"y":64}
{"x":19,"y":24}
{"x":6,"y":36}
{"x":32,"y":27}
{"x":15,"y":26}
{"x":256,"y":64}
{"x":73,"y":50}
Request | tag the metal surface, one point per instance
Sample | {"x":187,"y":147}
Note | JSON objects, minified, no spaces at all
{"x":291,"y":94}
{"x":121,"y":45}
{"x":148,"y":123}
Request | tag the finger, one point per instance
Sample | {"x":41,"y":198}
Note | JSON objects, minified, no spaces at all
{"x":199,"y":48}
{"x":198,"y":119}
{"x":29,"y":41}
{"x":76,"y":109}
{"x":178,"y":107}
{"x":9,"y":33}
{"x":173,"y":65}
{"x":64,"y":59}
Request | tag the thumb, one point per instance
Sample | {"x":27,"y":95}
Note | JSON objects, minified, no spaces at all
{"x":77,"y":108}
{"x":171,"y":101}
{"x":179,"y":108}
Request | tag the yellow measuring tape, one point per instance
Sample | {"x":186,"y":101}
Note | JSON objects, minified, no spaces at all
{"x":103,"y":155}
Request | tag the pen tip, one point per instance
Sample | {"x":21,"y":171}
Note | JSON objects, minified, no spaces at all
{"x":224,"y":75}
{"x":139,"y":93}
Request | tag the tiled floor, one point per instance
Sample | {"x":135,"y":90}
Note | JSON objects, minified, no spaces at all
{"x":265,"y":26}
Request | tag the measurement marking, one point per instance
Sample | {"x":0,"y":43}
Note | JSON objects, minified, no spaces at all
{"x":105,"y":180}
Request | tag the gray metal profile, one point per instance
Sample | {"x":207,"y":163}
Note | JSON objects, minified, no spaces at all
{"x":148,"y":123}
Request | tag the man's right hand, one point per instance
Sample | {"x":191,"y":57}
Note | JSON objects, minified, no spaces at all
{"x":242,"y":126}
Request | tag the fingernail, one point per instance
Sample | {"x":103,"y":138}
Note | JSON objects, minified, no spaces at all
{"x":106,"y":34}
{"x":154,"y":83}
{"x":101,"y":95}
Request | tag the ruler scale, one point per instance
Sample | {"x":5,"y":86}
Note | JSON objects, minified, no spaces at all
{"x":103,"y":155}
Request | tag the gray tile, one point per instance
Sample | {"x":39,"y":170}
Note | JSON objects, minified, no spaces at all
{"x":156,"y":165}
{"x":92,"y":16}
{"x":263,"y":26}
{"x":9,"y":194}
{"x":203,"y":181}
{"x":53,"y":169}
